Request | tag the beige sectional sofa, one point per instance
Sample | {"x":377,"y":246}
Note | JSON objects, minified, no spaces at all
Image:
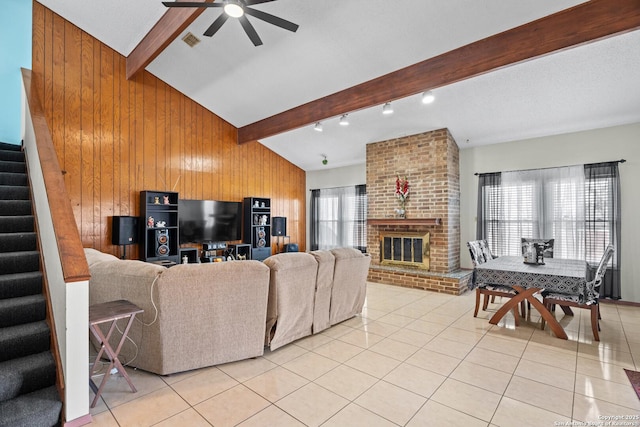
{"x":309,"y":292}
{"x":195,"y":315}
{"x":199,"y":315}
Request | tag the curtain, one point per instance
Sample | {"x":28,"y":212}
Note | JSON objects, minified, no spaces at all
{"x":314,"y":233}
{"x":602,"y":194}
{"x":489,"y":210}
{"x":544,"y":204}
{"x":338,"y":218}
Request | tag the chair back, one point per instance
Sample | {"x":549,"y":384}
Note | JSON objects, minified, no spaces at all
{"x":479,"y":251}
{"x":602,"y":266}
{"x":547,"y":243}
{"x":593,"y":287}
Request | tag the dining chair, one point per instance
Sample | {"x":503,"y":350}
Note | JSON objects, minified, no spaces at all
{"x":548,"y":245}
{"x":480,"y":253}
{"x":590,"y":299}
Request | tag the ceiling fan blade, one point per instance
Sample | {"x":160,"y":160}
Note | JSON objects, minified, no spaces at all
{"x":213,"y":28}
{"x":190,"y":4}
{"x":251,"y":32}
{"x":271,"y":19}
{"x":252,"y":2}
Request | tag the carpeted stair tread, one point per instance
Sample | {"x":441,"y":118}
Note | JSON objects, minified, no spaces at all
{"x":23,"y":340}
{"x":9,"y":166}
{"x":14,"y":192}
{"x":40,"y":408}
{"x":17,"y":242}
{"x":10,"y":147}
{"x":12,"y":155}
{"x":10,"y":178}
{"x":20,"y":284}
{"x":19,"y":262}
{"x":26,"y":374}
{"x":15,"y":207}
{"x":28,"y":392}
{"x":16,"y":224}
{"x":17,"y":311}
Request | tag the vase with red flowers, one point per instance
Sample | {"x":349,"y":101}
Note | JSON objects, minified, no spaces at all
{"x":402,"y":193}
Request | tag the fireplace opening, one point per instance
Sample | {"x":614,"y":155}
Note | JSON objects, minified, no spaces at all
{"x":407,"y":249}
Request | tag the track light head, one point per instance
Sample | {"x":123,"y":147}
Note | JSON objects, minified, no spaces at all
{"x":344,"y":121}
{"x":324,"y":161}
{"x":428,"y":97}
{"x":317,"y":127}
{"x":387,"y":108}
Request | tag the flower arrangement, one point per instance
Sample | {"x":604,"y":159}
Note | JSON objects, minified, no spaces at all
{"x":402,"y":192}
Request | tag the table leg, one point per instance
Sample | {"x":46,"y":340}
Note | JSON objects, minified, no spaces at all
{"x":112,"y":354}
{"x":549,"y":318}
{"x":528,"y":294}
{"x":511,"y":304}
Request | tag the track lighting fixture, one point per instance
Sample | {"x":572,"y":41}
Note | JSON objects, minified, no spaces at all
{"x":324,"y":161}
{"x":318,"y":127}
{"x":387,"y":108}
{"x":344,"y":121}
{"x":428,"y":97}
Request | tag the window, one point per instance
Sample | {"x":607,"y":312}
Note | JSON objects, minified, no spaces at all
{"x":577,"y":206}
{"x":338,"y":218}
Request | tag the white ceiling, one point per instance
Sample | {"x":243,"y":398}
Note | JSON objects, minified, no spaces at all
{"x":587,"y":87}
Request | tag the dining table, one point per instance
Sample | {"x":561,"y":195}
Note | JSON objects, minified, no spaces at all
{"x":566,"y":276}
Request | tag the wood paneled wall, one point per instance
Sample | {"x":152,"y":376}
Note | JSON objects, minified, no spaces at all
{"x":115,"y":137}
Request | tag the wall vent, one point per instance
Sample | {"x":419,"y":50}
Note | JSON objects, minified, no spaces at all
{"x":190,"y":39}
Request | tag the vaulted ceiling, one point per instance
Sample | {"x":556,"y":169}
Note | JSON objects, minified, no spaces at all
{"x":500,"y":70}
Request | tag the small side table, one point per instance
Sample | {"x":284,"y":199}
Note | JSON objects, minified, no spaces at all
{"x":110,"y":311}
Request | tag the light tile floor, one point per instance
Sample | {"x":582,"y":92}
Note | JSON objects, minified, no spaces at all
{"x":412,"y":358}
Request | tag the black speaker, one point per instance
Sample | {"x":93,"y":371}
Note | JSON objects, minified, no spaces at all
{"x":124,"y":230}
{"x":162,"y":242}
{"x":291,"y":247}
{"x":279,"y":224}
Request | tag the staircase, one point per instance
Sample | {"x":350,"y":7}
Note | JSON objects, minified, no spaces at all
{"x":28,"y":392}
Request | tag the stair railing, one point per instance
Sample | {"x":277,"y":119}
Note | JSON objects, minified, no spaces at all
{"x":65,"y":267}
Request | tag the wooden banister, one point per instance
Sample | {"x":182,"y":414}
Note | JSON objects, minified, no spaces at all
{"x":72,"y":258}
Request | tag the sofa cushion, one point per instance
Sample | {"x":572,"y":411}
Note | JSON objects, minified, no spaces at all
{"x":291,"y":297}
{"x":93,"y":256}
{"x":349,"y":284}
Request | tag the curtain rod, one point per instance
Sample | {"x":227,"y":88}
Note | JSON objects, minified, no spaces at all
{"x":551,"y":167}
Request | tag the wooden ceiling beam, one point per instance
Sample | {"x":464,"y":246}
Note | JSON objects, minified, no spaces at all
{"x":172,"y":23}
{"x":585,"y":23}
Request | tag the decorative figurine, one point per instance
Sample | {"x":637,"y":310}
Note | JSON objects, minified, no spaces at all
{"x":161,"y":224}
{"x":156,"y":200}
{"x":262,"y":205}
{"x":150,"y":222}
{"x":256,"y":204}
{"x":263,"y":220}
{"x":165,"y":200}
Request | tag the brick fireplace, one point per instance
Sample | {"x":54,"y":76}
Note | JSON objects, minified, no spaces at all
{"x":430,"y":161}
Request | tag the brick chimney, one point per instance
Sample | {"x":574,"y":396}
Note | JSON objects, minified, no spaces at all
{"x":430,"y":161}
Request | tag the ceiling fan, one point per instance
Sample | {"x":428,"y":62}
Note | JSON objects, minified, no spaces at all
{"x":238,"y":9}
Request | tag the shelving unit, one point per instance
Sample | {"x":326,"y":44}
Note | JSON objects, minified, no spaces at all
{"x":159,"y":218}
{"x":257,"y":226}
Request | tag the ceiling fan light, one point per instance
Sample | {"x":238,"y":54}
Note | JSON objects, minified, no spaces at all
{"x":344,"y":121}
{"x":317,"y":127}
{"x":387,"y":108}
{"x":428,"y":97}
{"x":233,"y":9}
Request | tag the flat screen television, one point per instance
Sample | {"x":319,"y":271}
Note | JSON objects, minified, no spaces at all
{"x":209,"y":221}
